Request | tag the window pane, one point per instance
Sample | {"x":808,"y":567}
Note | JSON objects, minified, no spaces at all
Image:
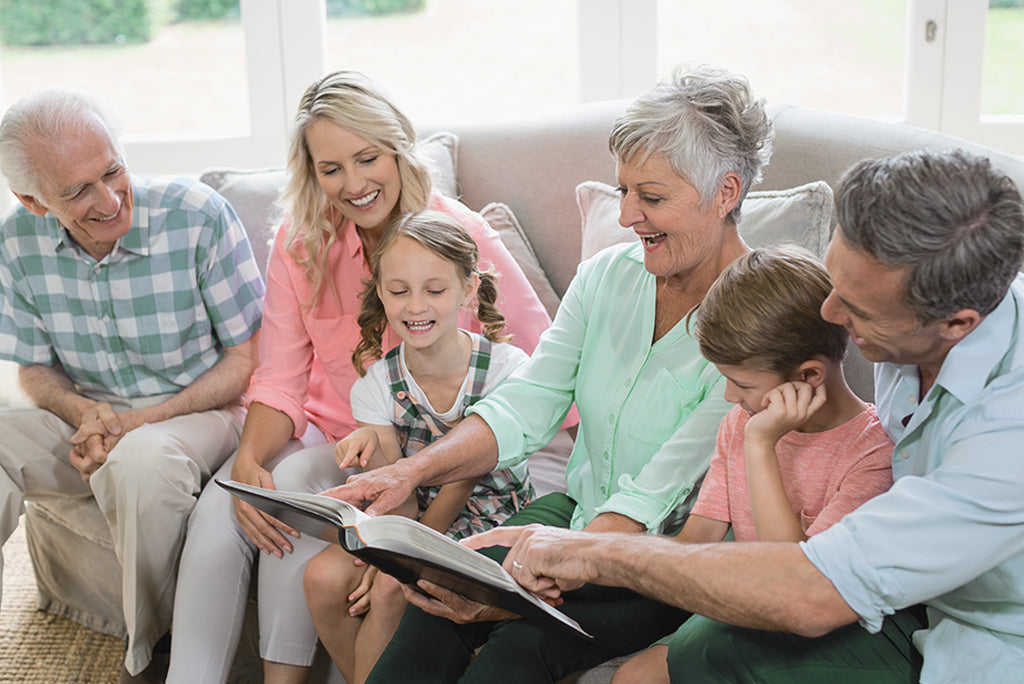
{"x":1002,"y":88}
{"x":844,"y":56}
{"x":188,"y":78}
{"x":465,"y":59}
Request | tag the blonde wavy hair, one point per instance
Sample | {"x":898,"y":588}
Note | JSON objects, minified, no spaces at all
{"x":352,"y":101}
{"x":446,"y":237}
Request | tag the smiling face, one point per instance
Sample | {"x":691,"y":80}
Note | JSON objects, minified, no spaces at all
{"x":867,"y":299}
{"x":360,"y":179}
{"x":748,"y":386}
{"x":422,"y":293}
{"x":84,"y":183}
{"x":680,"y":237}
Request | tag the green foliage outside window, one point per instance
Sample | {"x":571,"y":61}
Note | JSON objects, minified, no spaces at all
{"x":189,"y":10}
{"x":78,"y":22}
{"x":337,"y":8}
{"x":74,"y":22}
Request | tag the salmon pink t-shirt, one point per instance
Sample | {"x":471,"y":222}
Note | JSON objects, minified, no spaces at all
{"x":825,"y":474}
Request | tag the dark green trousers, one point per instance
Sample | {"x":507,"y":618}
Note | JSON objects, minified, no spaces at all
{"x":431,"y":649}
{"x":703,"y":650}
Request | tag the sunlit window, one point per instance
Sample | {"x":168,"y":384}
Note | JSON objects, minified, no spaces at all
{"x":179,"y":72}
{"x":465,"y":59}
{"x":844,"y":56}
{"x":1002,"y":88}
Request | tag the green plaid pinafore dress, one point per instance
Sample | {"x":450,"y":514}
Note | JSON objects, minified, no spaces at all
{"x":498,"y":494}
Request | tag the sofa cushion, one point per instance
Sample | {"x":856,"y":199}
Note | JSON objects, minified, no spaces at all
{"x":798,"y":215}
{"x":501,"y":219}
{"x":254,"y":194}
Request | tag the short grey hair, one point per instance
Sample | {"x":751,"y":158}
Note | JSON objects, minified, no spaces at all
{"x":51,"y":114}
{"x":949,"y":217}
{"x":706,"y":121}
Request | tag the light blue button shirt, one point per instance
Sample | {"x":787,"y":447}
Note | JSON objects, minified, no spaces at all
{"x":649,"y":413}
{"x":950,"y":533}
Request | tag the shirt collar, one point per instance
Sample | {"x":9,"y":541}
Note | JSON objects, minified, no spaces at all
{"x":971,"y":362}
{"x":136,"y":240}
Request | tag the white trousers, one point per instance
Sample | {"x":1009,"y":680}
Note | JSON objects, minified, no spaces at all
{"x":216,"y":567}
{"x":146,"y":490}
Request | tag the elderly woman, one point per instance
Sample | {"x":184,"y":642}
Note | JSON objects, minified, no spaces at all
{"x":687,"y":152}
{"x":353,"y":167}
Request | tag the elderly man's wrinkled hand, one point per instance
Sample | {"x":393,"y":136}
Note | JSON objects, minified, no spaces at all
{"x":88,"y":456}
{"x":545,"y":560}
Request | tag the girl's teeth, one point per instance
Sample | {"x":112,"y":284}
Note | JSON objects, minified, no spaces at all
{"x":419,"y":326}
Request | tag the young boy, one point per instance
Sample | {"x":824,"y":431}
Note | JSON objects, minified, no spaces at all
{"x":800,"y":450}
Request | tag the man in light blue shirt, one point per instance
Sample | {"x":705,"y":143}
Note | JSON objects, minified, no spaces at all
{"x":924,"y":264}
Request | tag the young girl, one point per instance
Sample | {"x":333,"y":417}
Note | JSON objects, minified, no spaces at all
{"x":799,"y":450}
{"x":423,"y":272}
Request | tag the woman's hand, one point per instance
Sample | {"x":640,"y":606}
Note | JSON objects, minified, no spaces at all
{"x":264,"y":531}
{"x":455,"y":607}
{"x":384,"y":488}
{"x":360,"y":597}
{"x":361,"y":444}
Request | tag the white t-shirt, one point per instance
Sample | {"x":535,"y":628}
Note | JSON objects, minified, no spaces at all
{"x":373,"y":404}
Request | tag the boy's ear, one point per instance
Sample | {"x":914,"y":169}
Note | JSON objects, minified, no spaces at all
{"x":812,"y":372}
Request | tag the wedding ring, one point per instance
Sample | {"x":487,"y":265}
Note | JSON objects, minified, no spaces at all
{"x":517,"y":565}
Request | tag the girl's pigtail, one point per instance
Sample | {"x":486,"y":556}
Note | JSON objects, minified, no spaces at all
{"x":372,"y":322}
{"x":487,"y":309}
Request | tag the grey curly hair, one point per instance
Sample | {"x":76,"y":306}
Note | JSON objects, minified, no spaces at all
{"x":707,"y":122}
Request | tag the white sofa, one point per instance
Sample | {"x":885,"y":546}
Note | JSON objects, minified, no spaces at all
{"x":533,"y":167}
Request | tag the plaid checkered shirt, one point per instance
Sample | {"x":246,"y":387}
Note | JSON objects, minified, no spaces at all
{"x":151,"y":316}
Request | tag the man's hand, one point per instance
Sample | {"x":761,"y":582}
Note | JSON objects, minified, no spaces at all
{"x":545,"y":560}
{"x":448,"y":604}
{"x":264,"y":531}
{"x":785,"y":408}
{"x":384,"y":488}
{"x":99,"y":431}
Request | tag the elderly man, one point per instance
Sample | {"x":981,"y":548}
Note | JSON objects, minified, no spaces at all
{"x":130,"y":306}
{"x":925,"y":272}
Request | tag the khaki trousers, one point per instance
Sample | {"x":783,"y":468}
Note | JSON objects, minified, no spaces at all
{"x":146,"y":490}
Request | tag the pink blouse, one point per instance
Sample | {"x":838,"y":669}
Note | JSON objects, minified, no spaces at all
{"x":305,"y":367}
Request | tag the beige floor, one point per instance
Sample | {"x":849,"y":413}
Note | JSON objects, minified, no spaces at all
{"x":38,"y":648}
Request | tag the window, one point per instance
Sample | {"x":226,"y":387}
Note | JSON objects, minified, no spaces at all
{"x":465,"y":59}
{"x":222,"y":92}
{"x":188,"y":79}
{"x":846,"y":56}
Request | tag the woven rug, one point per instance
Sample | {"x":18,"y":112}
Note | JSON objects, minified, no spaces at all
{"x":38,"y":648}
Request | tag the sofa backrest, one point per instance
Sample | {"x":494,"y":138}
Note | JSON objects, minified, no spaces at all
{"x":534,"y":166}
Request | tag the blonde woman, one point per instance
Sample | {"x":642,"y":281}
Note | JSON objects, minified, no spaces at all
{"x":353,"y":167}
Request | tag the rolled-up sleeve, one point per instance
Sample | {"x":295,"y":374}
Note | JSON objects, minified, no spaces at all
{"x":953,"y":538}
{"x":656,"y":495}
{"x":281,"y":380}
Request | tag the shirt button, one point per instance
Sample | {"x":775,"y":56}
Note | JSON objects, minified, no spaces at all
{"x":607,"y":456}
{"x":611,"y":419}
{"x":604,"y":491}
{"x":912,"y":399}
{"x":904,"y":454}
